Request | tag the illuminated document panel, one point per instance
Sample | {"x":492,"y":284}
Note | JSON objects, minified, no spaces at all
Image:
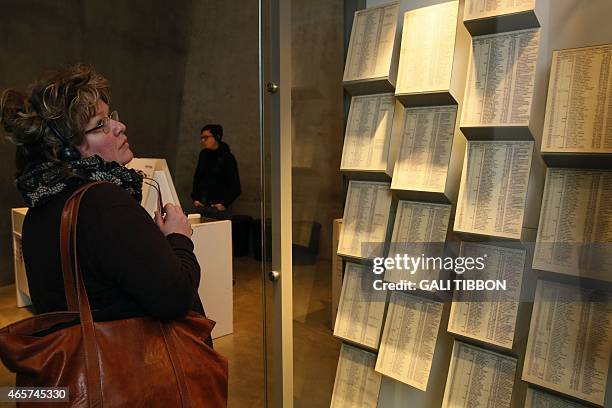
{"x":428,"y":164}
{"x":356,"y":384}
{"x":500,"y":87}
{"x":477,"y":377}
{"x":578,"y":121}
{"x":540,"y":399}
{"x":371,"y":62}
{"x":494,"y":189}
{"x":570,"y":341}
{"x":366,"y":220}
{"x":369,"y":147}
{"x":489,"y":316}
{"x":429,"y":73}
{"x":575,"y":229}
{"x":483,"y":17}
{"x":409,"y":339}
{"x":419,"y":229}
{"x":361,"y":308}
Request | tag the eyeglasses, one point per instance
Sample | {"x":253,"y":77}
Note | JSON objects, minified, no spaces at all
{"x":160,"y":203}
{"x":104,"y":123}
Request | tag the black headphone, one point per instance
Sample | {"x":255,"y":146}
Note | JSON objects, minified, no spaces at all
{"x":215,"y":130}
{"x":67,"y":152}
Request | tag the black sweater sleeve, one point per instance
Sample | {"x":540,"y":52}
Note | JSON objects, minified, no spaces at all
{"x":196,"y":189}
{"x":161,"y":273}
{"x":233,"y":188}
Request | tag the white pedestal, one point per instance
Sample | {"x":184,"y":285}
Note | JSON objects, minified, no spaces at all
{"x":213,"y":248}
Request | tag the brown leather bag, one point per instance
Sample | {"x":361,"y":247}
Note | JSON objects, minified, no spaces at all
{"x":137,"y":362}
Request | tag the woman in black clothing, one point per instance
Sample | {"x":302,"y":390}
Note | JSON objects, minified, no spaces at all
{"x":216,"y":183}
{"x":66,"y":136}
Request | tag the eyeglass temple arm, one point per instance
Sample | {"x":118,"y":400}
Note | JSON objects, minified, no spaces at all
{"x":160,"y":203}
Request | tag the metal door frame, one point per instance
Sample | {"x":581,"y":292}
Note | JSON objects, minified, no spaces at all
{"x":275,"y":132}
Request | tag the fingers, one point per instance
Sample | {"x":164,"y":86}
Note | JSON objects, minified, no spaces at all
{"x":159,"y":220}
{"x":175,"y":213}
{"x":169,"y":207}
{"x":175,"y":221}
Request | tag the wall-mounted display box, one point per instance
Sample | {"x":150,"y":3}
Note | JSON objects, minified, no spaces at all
{"x":431,"y":69}
{"x":371,"y":63}
{"x":428,"y":165}
{"x":490,"y":317}
{"x":371,"y":137}
{"x":578,"y":121}
{"x":366,"y":220}
{"x":483,"y":17}
{"x":500,"y":87}
{"x":500,"y":184}
{"x":361,"y":309}
{"x":575,"y":324}
{"x":575,"y":227}
{"x":419,"y":228}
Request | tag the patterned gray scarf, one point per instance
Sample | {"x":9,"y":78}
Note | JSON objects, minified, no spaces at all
{"x":44,"y":181}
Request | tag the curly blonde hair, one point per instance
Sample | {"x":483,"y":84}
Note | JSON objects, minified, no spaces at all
{"x":66,"y":98}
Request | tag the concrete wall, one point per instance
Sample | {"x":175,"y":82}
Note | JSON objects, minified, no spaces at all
{"x":221,"y":86}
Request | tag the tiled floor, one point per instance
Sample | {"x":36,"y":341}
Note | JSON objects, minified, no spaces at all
{"x":315,"y":349}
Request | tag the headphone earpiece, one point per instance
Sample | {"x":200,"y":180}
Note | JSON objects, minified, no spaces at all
{"x":67,"y":152}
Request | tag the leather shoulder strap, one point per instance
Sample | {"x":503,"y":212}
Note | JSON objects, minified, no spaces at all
{"x":66,"y":246}
{"x":68,"y":229}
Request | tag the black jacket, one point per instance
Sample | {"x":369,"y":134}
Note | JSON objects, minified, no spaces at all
{"x":129,"y":267}
{"x":216,"y":178}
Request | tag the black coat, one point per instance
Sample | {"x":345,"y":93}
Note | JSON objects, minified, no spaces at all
{"x":216,"y":179}
{"x":129,"y":267}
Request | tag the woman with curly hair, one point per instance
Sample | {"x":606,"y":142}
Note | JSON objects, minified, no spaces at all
{"x":66,"y":136}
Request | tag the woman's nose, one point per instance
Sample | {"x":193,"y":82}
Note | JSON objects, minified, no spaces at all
{"x":118,"y":127}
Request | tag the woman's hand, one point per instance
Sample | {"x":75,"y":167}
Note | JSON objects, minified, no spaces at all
{"x":175,"y":221}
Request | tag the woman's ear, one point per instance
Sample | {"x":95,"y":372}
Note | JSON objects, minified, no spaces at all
{"x":83,"y":148}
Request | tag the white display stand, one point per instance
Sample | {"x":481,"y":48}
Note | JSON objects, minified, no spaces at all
{"x":213,"y":248}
